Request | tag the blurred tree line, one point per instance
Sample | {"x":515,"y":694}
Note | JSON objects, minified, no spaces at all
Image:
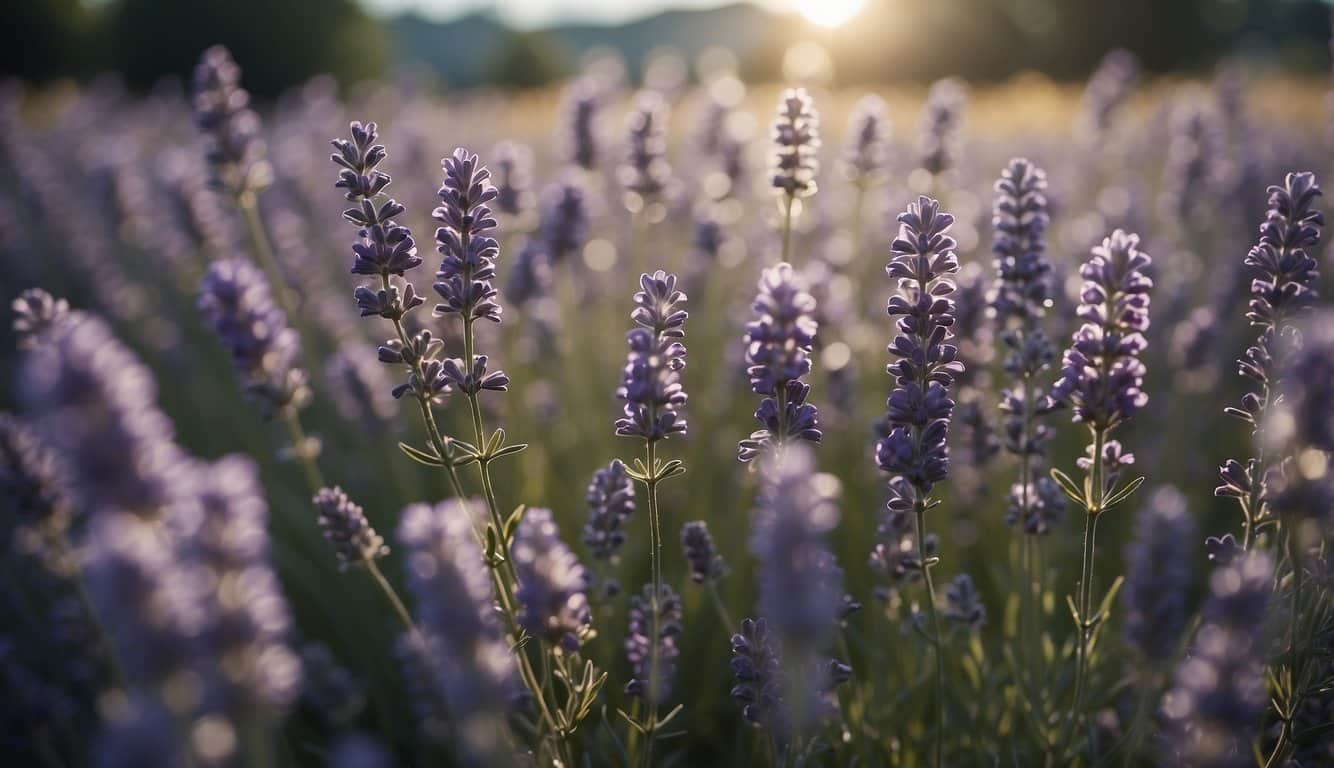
{"x":279,"y":42}
{"x":282,"y":42}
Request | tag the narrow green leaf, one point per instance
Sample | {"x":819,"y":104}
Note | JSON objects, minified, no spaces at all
{"x":418,"y":455}
{"x":1123,"y":494}
{"x":512,"y":522}
{"x":509,"y":449}
{"x":1068,"y":486}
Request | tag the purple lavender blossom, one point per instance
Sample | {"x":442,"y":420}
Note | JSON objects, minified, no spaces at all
{"x":1019,"y":299}
{"x":385,"y":248}
{"x":645,"y":175}
{"x":1023,"y":288}
{"x":465,"y":240}
{"x":552,"y":584}
{"x":564,"y":219}
{"x":1288,"y":277}
{"x":513,"y":178}
{"x":33,"y":505}
{"x":796,"y":137}
{"x":1301,"y":425}
{"x":895,"y":553}
{"x":1108,"y":89}
{"x":705,"y":564}
{"x":472,"y":668}
{"x":35,"y":313}
{"x":1192,"y":178}
{"x":359,"y":388}
{"x":329,"y":688}
{"x":222,"y":533}
{"x":865,"y":155}
{"x":1158,"y":576}
{"x":963,"y":604}
{"x":1102,"y":375}
{"x":583,"y":101}
{"x":234,"y":145}
{"x":611,"y":502}
{"x":651,"y":380}
{"x":235,"y":300}
{"x":1219,"y":691}
{"x":778,"y":348}
{"x":938,"y":133}
{"x":346,"y":528}
{"x":919,"y":408}
{"x":648,"y":678}
{"x":1283,"y":289}
{"x":95,"y":405}
{"x":796,"y":510}
{"x":760,"y":682}
{"x":150,"y":604}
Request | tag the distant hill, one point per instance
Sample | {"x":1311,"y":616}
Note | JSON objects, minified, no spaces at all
{"x":470,"y":50}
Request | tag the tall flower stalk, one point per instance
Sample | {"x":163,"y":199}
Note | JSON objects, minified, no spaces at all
{"x":386,"y":250}
{"x":1101,"y":379}
{"x":652,"y":398}
{"x":778,"y":349}
{"x":1018,"y":301}
{"x":796,"y":137}
{"x":464,"y":283}
{"x":236,"y":154}
{"x":914,"y":452}
{"x":1284,"y":287}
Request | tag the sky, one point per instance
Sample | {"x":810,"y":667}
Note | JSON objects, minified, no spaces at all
{"x":537,"y":13}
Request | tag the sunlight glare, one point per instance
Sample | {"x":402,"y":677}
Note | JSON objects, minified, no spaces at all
{"x":828,"y":13}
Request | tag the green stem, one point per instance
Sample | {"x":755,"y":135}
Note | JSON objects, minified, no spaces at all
{"x":919,"y":507}
{"x":1092,"y":512}
{"x":248,"y":203}
{"x":788,"y":201}
{"x":314,"y":478}
{"x":720,"y":608}
{"x":655,"y":566}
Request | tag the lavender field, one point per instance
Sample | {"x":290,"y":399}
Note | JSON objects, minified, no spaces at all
{"x":692,"y":423}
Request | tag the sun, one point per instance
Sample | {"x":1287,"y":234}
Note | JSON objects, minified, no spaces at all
{"x":828,"y":13}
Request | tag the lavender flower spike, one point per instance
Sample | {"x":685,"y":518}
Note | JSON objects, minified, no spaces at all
{"x":465,"y":240}
{"x":611,"y":501}
{"x":778,"y":349}
{"x":638,"y":642}
{"x":645,"y":174}
{"x":222,"y":529}
{"x":705,"y":564}
{"x":938,"y":133}
{"x":235,"y":300}
{"x":1101,"y":373}
{"x":95,"y":405}
{"x":919,"y":408}
{"x":796,"y":136}
{"x":1157,"y":576}
{"x":552,"y":583}
{"x":864,"y":157}
{"x":459,"y":656}
{"x":651,"y":387}
{"x":564,"y":219}
{"x":1219,"y":690}
{"x":386,"y":248}
{"x":234,"y":147}
{"x":796,"y":510}
{"x":1023,"y":288}
{"x":1284,"y":288}
{"x":760,"y":682}
{"x":345,"y":526}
